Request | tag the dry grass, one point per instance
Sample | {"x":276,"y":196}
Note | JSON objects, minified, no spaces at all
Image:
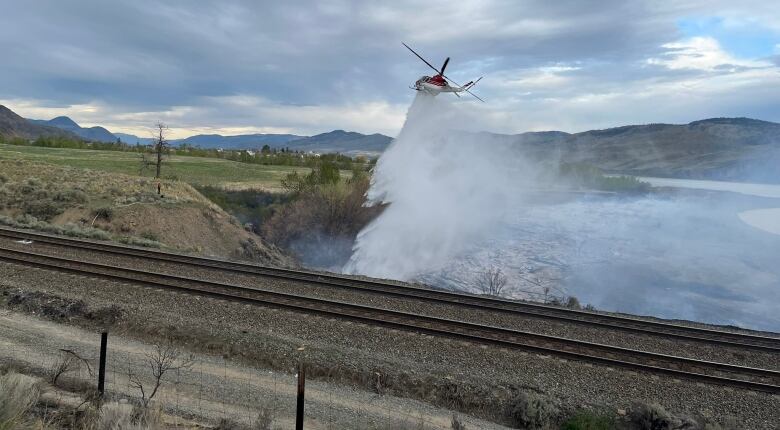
{"x":18,"y":394}
{"x":124,"y":416}
{"x":127,"y":209}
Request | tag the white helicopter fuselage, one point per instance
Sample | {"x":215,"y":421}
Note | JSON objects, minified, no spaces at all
{"x":434,"y":87}
{"x":439,"y":83}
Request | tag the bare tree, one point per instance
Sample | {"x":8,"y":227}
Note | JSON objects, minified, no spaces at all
{"x":68,"y":361}
{"x":160,"y":148}
{"x":492,"y":281}
{"x":164,"y":359}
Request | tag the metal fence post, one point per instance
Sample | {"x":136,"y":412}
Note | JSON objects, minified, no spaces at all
{"x":301,"y":387}
{"x":102,"y":368}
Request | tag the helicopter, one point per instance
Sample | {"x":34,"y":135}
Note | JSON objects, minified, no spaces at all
{"x":440,"y":83}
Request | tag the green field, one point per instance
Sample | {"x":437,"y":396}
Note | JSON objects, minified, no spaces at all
{"x":197,"y":171}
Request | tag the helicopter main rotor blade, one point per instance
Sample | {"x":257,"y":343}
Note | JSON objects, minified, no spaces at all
{"x":475,"y":96}
{"x":464,"y":89}
{"x":423,"y":59}
{"x":444,"y":66}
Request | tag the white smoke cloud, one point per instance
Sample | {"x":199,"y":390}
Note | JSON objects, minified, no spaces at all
{"x":447,"y":185}
{"x":460,"y":201}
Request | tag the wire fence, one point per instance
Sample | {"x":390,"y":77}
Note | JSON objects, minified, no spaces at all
{"x":204,"y":388}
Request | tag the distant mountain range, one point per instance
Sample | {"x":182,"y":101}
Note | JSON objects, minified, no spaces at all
{"x":243,"y":141}
{"x":345,"y":142}
{"x":716,"y":148}
{"x":95,"y":134}
{"x":13,"y":125}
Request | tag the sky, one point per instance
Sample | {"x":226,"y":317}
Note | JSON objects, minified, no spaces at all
{"x":308,"y":67}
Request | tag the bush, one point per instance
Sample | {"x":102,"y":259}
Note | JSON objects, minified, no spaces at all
{"x":321,"y":224}
{"x":650,"y":417}
{"x":151,"y":236}
{"x":105,"y":212}
{"x":532,"y":411}
{"x":45,"y":209}
{"x":137,"y":241}
{"x":586,"y":420}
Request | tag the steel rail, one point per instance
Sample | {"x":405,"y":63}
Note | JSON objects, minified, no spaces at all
{"x":705,"y":371}
{"x":537,"y":310}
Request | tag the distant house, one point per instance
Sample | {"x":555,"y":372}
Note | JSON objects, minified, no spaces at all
{"x":250,"y":153}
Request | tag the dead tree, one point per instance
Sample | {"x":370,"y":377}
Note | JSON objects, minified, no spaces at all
{"x":164,"y":359}
{"x":68,"y":360}
{"x":492,"y":281}
{"x":160,"y":148}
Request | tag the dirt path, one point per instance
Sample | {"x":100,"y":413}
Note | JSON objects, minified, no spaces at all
{"x":214,"y":388}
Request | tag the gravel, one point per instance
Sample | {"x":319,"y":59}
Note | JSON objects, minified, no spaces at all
{"x":658,"y":344}
{"x":272,"y":337}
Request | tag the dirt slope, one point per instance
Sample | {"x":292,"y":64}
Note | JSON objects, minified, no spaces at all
{"x":100,"y":205}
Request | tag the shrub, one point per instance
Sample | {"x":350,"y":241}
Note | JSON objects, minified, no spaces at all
{"x":71,"y":196}
{"x":137,"y":241}
{"x":148,"y":235}
{"x":18,"y":394}
{"x":320,"y":225}
{"x":44,"y":209}
{"x":650,"y":417}
{"x":586,"y":420}
{"x":105,"y":212}
{"x":573,"y":303}
{"x":532,"y":411}
{"x":3,"y":178}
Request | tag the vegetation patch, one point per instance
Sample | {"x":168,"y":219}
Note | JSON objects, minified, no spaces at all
{"x":323,"y":216}
{"x":60,"y":309}
{"x":92,"y":204}
{"x":591,"y":177}
{"x":587,"y":420}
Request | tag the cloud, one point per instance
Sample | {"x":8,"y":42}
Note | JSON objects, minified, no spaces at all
{"x":701,"y":53}
{"x":316,"y":66}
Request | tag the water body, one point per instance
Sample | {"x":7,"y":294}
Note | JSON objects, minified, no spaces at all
{"x":685,"y":255}
{"x":764,"y":219}
{"x":760,"y":190}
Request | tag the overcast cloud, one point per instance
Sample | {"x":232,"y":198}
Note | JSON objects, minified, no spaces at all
{"x":310,"y":67}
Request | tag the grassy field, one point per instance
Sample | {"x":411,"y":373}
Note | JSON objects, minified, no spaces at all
{"x":197,"y":171}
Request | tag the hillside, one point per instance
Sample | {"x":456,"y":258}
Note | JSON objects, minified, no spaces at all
{"x":110,"y":206}
{"x":133,"y":139}
{"x":718,"y":148}
{"x":244,"y":141}
{"x":94,"y":134}
{"x":345,"y":142}
{"x":13,"y":125}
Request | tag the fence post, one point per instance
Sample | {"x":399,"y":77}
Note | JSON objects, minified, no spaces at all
{"x":102,"y":368}
{"x":301,"y":387}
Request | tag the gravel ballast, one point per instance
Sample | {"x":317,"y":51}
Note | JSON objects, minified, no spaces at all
{"x":273,"y":337}
{"x":615,"y":337}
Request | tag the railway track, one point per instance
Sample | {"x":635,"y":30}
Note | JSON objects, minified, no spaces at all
{"x":492,"y":304}
{"x":677,"y":367}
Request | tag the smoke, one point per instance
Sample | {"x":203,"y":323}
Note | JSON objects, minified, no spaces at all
{"x":447,"y":185}
{"x":462,"y":201}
